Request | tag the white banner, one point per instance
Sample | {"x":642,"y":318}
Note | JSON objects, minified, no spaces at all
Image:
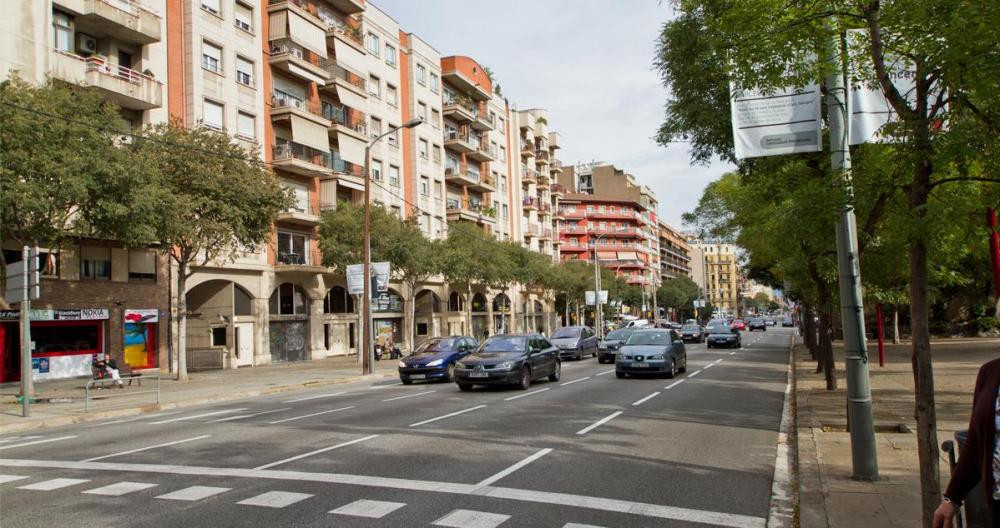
{"x":356,"y":279}
{"x":870,"y":110}
{"x":784,"y":122}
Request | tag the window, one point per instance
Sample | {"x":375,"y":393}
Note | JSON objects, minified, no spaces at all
{"x":390,"y":55}
{"x":212,"y":6}
{"x":374,"y":86}
{"x":394,"y":175}
{"x":503,"y":153}
{"x":600,"y":208}
{"x":337,"y":300}
{"x":219,"y":336}
{"x":390,"y":95}
{"x":422,"y":110}
{"x":505,"y":211}
{"x":425,"y":186}
{"x":500,"y":125}
{"x":422,"y":150}
{"x":243,"y":17}
{"x":212,"y":115}
{"x":373,"y":44}
{"x":211,"y":57}
{"x":393,"y":139}
{"x":435,"y":82}
{"x":436,"y":154}
{"x":63,"y":31}
{"x":435,"y":118}
{"x":246,"y":126}
{"x":590,"y":208}
{"x":421,"y":74}
{"x":293,"y":248}
{"x":503,"y":183}
{"x":376,"y":126}
{"x":141,"y":265}
{"x":95,"y":262}
{"x":376,"y":170}
{"x":244,"y":71}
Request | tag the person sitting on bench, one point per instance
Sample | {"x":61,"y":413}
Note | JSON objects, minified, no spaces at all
{"x":109,"y":366}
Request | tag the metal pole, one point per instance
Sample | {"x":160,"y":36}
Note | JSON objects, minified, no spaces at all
{"x":26,"y":388}
{"x":366,"y":302}
{"x":859,"y":400}
{"x":598,"y":318}
{"x":881,"y":334}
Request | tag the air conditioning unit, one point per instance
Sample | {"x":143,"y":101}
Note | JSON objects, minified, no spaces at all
{"x":85,"y":44}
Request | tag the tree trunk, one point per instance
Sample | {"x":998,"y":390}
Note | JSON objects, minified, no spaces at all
{"x":895,"y":325}
{"x":566,"y":310}
{"x":411,"y":313}
{"x":809,"y":330}
{"x":182,"y":373}
{"x":468,"y":311}
{"x":826,"y":347}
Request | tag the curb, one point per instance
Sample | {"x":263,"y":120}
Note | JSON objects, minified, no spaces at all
{"x":15,"y":427}
{"x":811,"y":505}
{"x":783,"y":511}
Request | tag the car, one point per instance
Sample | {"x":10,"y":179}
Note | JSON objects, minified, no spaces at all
{"x":435,"y":359}
{"x":509,"y":359}
{"x":756,"y":323}
{"x":692,"y":333}
{"x":637,"y":323}
{"x":653,"y":351}
{"x":723,"y":335}
{"x":575,"y":342}
{"x":738,"y":324}
{"x":691,"y":322}
{"x":769,"y":321}
{"x":788,"y":322}
{"x":608,"y":348}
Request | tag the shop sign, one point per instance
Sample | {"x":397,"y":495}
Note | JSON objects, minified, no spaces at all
{"x":83,"y":314}
{"x":142,"y":315}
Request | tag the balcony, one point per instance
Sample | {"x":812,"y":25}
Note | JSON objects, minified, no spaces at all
{"x":483,"y":152}
{"x":483,"y":121}
{"x":532,"y":231}
{"x":473,"y":180}
{"x":527,"y":148}
{"x":574,"y":213}
{"x":469,"y":211}
{"x":342,"y":121}
{"x":459,"y":142}
{"x":529,"y":203}
{"x":459,"y":109}
{"x":338,"y":29}
{"x":528,"y":175}
{"x":349,"y":7}
{"x":545,"y":234}
{"x":125,"y":20}
{"x":543,"y":181}
{"x":466,"y":85}
{"x":297,"y":61}
{"x":284,"y":105}
{"x":298,"y":217}
{"x":302,"y":160}
{"x":126,"y":87}
{"x":341,"y":77}
{"x":628,"y":232}
{"x":555,"y":166}
{"x":542,"y":156}
{"x":557,"y":189}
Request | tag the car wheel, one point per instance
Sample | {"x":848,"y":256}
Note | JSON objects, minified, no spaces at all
{"x":620,"y":375}
{"x":556,"y":371}
{"x":450,"y":376}
{"x":406,"y":381}
{"x":673,"y":370}
{"x":465,"y":387}
{"x":600,"y":360}
{"x":579,"y":355}
{"x":594,"y":353}
{"x":525,"y":378}
{"x":684,"y":366}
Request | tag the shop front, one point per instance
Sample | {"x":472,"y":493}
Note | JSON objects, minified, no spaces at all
{"x":139,"y":338}
{"x":65,"y":342}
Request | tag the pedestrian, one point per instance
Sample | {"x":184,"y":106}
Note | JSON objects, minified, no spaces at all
{"x":109,"y":367}
{"x":486,"y":334}
{"x":979,"y":458}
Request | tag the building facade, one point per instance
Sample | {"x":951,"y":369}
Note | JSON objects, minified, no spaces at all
{"x":675,"y":253}
{"x":715,"y":269}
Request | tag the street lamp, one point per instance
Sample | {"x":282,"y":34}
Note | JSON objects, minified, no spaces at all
{"x":368,"y":363}
{"x":598,"y":314}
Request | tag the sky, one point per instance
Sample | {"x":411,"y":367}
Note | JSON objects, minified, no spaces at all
{"x":589,"y":63}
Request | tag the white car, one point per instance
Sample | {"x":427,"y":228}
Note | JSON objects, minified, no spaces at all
{"x":638,"y":323}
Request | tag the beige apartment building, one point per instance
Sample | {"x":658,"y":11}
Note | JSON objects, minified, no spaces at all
{"x":716,"y":271}
{"x":675,"y":253}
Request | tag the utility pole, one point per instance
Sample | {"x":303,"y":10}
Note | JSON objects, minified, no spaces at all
{"x":598,"y":316}
{"x":859,"y":398}
{"x":27,"y":390}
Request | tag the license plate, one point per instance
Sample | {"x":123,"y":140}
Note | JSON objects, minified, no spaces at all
{"x":418,"y":376}
{"x":479,"y":374}
{"x":640,"y":365}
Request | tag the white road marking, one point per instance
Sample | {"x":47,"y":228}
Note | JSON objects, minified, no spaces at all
{"x":674,"y":384}
{"x":16,"y":438}
{"x":119,"y":489}
{"x":449,"y":415}
{"x":203,"y":415}
{"x":371,"y":509}
{"x":472,"y":490}
{"x":783,"y":493}
{"x":310,"y":415}
{"x":706,"y":367}
{"x":130,"y":451}
{"x":384,"y":386}
{"x":316,"y":397}
{"x":575,"y":525}
{"x":490,"y":480}
{"x":647,"y":398}
{"x":194,"y":493}
{"x":695,"y":373}
{"x":35,"y":442}
{"x":598,"y":423}
{"x":275,"y":499}
{"x":575,"y":381}
{"x":318,"y":451}
{"x":133,"y":419}
{"x":11,"y":478}
{"x":733,"y":353}
{"x":471,"y":519}
{"x":605,"y":372}
{"x":525,"y":394}
{"x":717,"y":361}
{"x":242,"y":416}
{"x":408,"y":396}
{"x":54,"y":484}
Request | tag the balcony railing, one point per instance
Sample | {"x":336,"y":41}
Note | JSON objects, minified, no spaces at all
{"x":340,"y":116}
{"x":340,"y":27}
{"x":120,"y":72}
{"x":463,"y":138}
{"x":527,"y":146}
{"x":293,"y":259}
{"x":289,"y":150}
{"x":542,"y":155}
{"x":130,"y":6}
{"x":558,"y":188}
{"x":530,"y":202}
{"x":337,"y":71}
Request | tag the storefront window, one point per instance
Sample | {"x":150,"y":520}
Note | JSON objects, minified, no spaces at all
{"x":66,"y":337}
{"x":338,"y":301}
{"x":288,"y":299}
{"x":389,"y":301}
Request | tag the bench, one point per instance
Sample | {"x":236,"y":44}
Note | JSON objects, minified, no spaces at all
{"x":124,"y":372}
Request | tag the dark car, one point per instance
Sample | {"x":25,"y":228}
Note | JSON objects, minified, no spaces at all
{"x":756,"y":323}
{"x":723,"y":335}
{"x":509,"y":359}
{"x":692,"y":333}
{"x":435,"y":359}
{"x":575,"y":342}
{"x":653,"y":351}
{"x":608,"y":348}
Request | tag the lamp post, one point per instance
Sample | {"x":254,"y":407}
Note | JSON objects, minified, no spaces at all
{"x":598,"y":315}
{"x":368,"y":363}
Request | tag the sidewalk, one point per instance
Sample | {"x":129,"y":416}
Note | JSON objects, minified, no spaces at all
{"x":203,"y":387}
{"x":828,"y":497}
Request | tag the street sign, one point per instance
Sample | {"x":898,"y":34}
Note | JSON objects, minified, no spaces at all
{"x":588,"y":297}
{"x":23,"y":274}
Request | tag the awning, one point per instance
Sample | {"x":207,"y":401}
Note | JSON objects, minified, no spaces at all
{"x":606,"y":255}
{"x":628,"y":255}
{"x":306,"y":33}
{"x":310,"y":134}
{"x":352,"y":99}
{"x":349,"y":57}
{"x":351,"y":150}
{"x":303,"y":72}
{"x":278,"y":25}
{"x":343,"y":182}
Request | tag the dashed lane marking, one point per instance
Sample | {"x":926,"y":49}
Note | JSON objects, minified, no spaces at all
{"x":315,"y":397}
{"x":605,"y":372}
{"x":275,"y":499}
{"x":490,"y":480}
{"x":53,"y":484}
{"x":194,"y":493}
{"x":134,"y":419}
{"x":121,"y":488}
{"x":11,"y":478}
{"x":408,"y":396}
{"x":471,"y":519}
{"x":242,"y":416}
{"x":130,"y":451}
{"x":36,"y":442}
{"x":318,"y":451}
{"x":706,"y":367}
{"x":647,"y":398}
{"x":526,"y":394}
{"x":310,"y":415}
{"x":674,"y":384}
{"x":578,"y":380}
{"x":449,"y":415}
{"x":370,"y":509}
{"x":202,"y":415}
{"x":695,"y":373}
{"x":599,"y":423}
{"x":18,"y":438}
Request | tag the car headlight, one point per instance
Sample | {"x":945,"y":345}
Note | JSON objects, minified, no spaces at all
{"x":506,"y":365}
{"x":402,"y":365}
{"x":435,"y":363}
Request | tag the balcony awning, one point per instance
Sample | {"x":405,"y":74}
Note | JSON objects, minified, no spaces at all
{"x":349,"y":57}
{"x":310,"y":134}
{"x":351,"y":99}
{"x":606,"y":255}
{"x":306,"y":33}
{"x":277,"y":25}
{"x":352,"y":150}
{"x":350,"y":185}
{"x":627,"y":255}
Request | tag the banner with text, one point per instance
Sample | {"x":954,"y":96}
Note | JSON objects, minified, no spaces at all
{"x":783,"y":122}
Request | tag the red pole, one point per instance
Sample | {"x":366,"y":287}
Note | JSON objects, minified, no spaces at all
{"x":881,"y":334}
{"x":991,"y":222}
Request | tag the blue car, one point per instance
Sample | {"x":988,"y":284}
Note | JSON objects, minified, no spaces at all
{"x":435,"y":359}
{"x":658,"y":352}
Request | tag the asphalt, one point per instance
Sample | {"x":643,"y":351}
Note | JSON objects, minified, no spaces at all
{"x":589,"y":450}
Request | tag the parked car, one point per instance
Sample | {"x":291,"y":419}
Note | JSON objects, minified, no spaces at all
{"x":652,"y":351}
{"x":692,"y":333}
{"x":738,"y":324}
{"x":723,"y":335}
{"x":637,"y":323}
{"x":509,"y":359}
{"x":575,"y":341}
{"x":788,"y":322}
{"x":608,"y":348}
{"x":769,"y":321}
{"x":756,"y":323}
{"x":435,"y":359}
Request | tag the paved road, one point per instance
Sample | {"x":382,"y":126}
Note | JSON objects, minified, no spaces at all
{"x":590,"y":450}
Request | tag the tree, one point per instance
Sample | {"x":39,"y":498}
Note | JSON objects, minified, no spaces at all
{"x":470,"y":257}
{"x":217,"y":201}
{"x":678,"y":293}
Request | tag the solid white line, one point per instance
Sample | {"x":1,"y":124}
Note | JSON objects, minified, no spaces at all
{"x":706,"y":367}
{"x":527,"y":496}
{"x":525,"y":394}
{"x":384,"y":386}
{"x":647,"y":398}
{"x":316,"y":452}
{"x":43,"y":441}
{"x":242,"y":416}
{"x":447,"y":416}
{"x":145,"y":448}
{"x":674,"y":384}
{"x":515,"y":467}
{"x":309,"y":415}
{"x":695,"y":373}
{"x":182,"y":418}
{"x":605,"y":372}
{"x":408,"y":396}
{"x":598,"y":423}
{"x":16,"y":438}
{"x":575,"y":381}
{"x":717,"y":361}
{"x":316,"y":397}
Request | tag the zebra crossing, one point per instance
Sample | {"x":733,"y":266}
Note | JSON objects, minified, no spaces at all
{"x":275,"y":499}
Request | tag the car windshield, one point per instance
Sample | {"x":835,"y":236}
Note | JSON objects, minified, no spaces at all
{"x":435,"y":346}
{"x":757,"y":321}
{"x":618,"y":335}
{"x":563,"y":333}
{"x":719,"y":329}
{"x":504,"y":345}
{"x":690,"y":328}
{"x":649,"y":338}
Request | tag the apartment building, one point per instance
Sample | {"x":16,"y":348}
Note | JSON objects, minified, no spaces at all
{"x":675,"y":253}
{"x":539,"y":189}
{"x":716,"y":271}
